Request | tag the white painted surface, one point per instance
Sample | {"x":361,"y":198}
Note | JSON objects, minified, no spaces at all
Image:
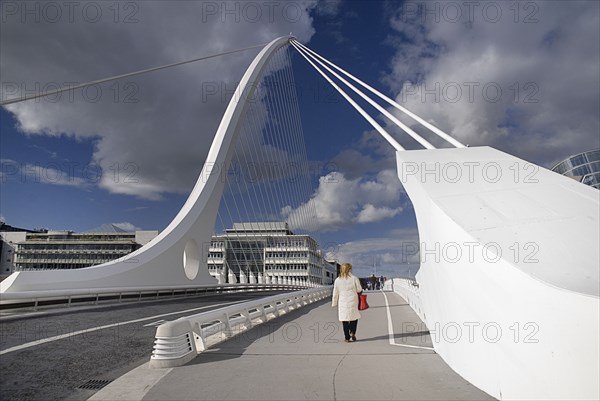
{"x":516,"y":327}
{"x":161,"y":261}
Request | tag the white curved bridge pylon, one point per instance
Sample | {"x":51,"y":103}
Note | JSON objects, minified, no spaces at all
{"x":177,"y":256}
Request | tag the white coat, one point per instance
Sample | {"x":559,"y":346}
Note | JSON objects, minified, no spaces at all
{"x":345,"y":297}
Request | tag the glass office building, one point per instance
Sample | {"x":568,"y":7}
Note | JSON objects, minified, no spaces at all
{"x":584,"y":167}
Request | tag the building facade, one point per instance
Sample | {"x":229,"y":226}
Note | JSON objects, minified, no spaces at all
{"x":9,"y":237}
{"x":584,"y":167}
{"x":268,"y":253}
{"x":69,"y":250}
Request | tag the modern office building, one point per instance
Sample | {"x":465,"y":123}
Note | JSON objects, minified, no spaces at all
{"x":584,"y":167}
{"x":67,"y":249}
{"x":267,"y":253}
{"x":9,"y":235}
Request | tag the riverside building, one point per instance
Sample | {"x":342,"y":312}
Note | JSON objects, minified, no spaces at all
{"x":267,"y":253}
{"x":69,"y":250}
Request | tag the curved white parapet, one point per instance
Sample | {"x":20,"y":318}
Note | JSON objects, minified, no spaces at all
{"x":179,"y":341}
{"x":509,"y":276}
{"x":178,"y":255}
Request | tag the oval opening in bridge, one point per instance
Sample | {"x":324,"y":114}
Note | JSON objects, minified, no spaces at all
{"x":191,"y":259}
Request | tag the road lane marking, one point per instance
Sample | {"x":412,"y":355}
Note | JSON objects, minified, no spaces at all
{"x":391,"y":329}
{"x":155,"y":324}
{"x":107,"y":326}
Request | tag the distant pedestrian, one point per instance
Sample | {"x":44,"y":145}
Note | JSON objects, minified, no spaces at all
{"x":374,"y":282}
{"x":346,"y":289}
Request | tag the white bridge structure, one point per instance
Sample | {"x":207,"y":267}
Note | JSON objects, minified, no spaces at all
{"x":509,"y":278}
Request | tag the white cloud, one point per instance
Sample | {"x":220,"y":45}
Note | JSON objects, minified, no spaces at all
{"x":126,"y":226}
{"x":340,"y":202}
{"x":391,"y":256}
{"x":51,"y":176}
{"x":527,"y":83}
{"x":154,"y":129}
{"x":370,"y":213}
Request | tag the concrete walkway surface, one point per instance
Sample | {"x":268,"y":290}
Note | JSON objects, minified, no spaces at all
{"x":303,"y":356}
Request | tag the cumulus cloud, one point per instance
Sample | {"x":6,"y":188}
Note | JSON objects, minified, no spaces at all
{"x":370,"y":213}
{"x":339,"y":202}
{"x":392,"y":256}
{"x":155,"y":128}
{"x":522,"y":77}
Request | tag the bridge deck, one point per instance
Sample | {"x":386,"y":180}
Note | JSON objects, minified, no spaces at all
{"x":302,"y":356}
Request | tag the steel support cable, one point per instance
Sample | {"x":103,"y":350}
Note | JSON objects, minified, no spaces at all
{"x":277,"y":186}
{"x":224,"y":257}
{"x":304,"y":184}
{"x":386,"y":113}
{"x":255,"y":137}
{"x":367,"y":117}
{"x":252,"y":124}
{"x":274,"y":188}
{"x":301,"y":144}
{"x":280,"y":117}
{"x":426,"y":124}
{"x":227,"y":239}
{"x":249,"y":160}
{"x":266,"y":194}
{"x":269,"y":101}
{"x":252,"y":137}
{"x":238,"y":192}
{"x":257,"y":131}
{"x":287,"y":135}
{"x":279,"y":140}
{"x":130,"y":74}
{"x":231,"y":192}
{"x":284,"y":131}
{"x":287,"y":112}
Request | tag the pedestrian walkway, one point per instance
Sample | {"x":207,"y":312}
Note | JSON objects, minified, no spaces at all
{"x":302,"y":356}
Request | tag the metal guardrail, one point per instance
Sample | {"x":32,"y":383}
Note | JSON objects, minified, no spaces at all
{"x":37,"y":299}
{"x":181,"y":340}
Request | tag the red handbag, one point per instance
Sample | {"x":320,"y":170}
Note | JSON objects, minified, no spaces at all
{"x":362,"y":302}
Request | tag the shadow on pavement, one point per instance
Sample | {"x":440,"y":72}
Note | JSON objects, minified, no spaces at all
{"x":237,"y":345}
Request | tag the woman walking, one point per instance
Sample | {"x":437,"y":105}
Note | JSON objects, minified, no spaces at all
{"x":345,"y":296}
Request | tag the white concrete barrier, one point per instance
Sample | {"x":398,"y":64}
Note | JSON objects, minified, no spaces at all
{"x":181,"y":340}
{"x":509,"y":277}
{"x":409,"y":290}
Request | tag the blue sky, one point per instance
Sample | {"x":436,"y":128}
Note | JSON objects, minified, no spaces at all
{"x":522,"y":77}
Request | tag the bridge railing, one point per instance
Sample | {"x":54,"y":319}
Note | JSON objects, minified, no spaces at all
{"x":68,"y":298}
{"x":407,"y":288}
{"x":181,"y":340}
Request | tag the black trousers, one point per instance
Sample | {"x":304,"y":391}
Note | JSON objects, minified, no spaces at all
{"x":349,"y":327}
